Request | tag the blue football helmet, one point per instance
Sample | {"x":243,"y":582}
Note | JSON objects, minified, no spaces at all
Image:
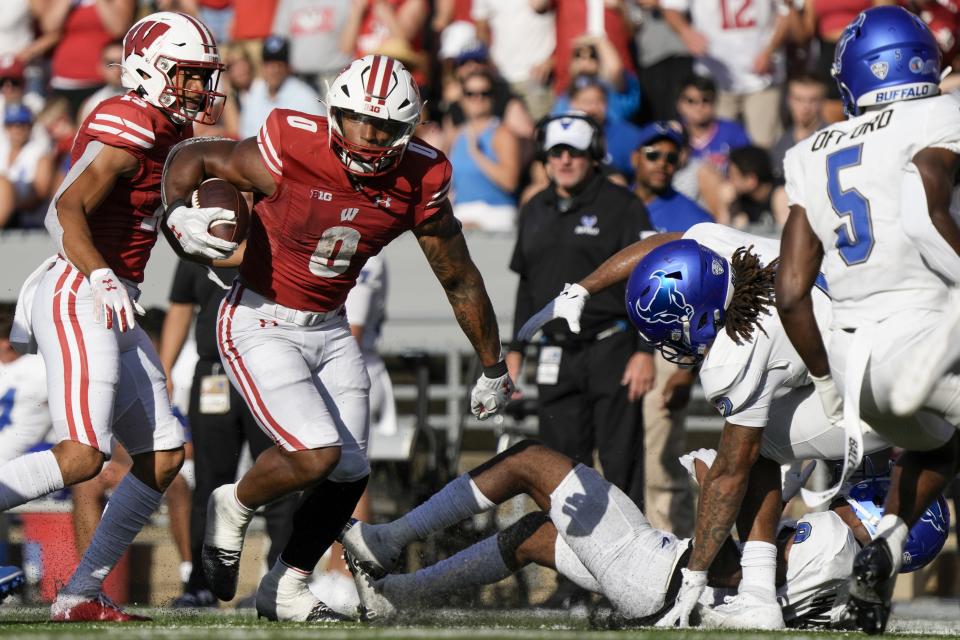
{"x":677,"y":297}
{"x":925,"y":538}
{"x":886,"y":54}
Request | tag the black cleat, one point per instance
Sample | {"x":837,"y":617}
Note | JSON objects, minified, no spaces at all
{"x":322,"y":613}
{"x":221,"y":567}
{"x":871,"y":587}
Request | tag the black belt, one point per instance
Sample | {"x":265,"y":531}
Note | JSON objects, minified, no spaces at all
{"x":574,"y":340}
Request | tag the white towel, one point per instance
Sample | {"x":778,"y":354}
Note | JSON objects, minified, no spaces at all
{"x":21,"y":333}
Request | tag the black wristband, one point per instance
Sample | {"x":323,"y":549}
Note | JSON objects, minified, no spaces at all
{"x":496,"y":371}
{"x":179,"y":202}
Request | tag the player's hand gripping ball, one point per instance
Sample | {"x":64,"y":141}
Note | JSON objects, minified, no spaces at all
{"x":215,"y":192}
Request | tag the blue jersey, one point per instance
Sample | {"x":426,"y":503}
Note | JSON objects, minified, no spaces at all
{"x":674,"y":211}
{"x":727,"y":135}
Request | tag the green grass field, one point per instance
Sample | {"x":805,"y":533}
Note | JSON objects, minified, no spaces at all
{"x":936,"y":619}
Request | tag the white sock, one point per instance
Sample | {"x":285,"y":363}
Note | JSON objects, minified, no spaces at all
{"x":478,"y":564}
{"x":759,"y":563}
{"x":28,"y":477}
{"x":458,"y":500}
{"x":895,"y":531}
{"x":128,"y":509}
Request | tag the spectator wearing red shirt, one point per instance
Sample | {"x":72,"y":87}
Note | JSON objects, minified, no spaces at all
{"x":373,"y":22}
{"x":85,"y":28}
{"x":217,"y":15}
{"x":573,"y":21}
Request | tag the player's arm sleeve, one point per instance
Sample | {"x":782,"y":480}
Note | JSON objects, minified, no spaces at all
{"x":793,"y":172}
{"x":436,"y":186}
{"x":270,"y":141}
{"x":121,"y":125}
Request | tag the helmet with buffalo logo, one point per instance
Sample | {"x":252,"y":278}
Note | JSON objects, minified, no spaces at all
{"x":676,"y":298}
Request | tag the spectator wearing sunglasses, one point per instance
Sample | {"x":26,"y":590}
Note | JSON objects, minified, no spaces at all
{"x":486,"y":159}
{"x":668,"y":499}
{"x":711,"y":138}
{"x":656,"y":160}
{"x":596,"y":57}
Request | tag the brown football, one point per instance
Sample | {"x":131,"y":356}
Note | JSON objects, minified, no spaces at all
{"x":215,"y":192}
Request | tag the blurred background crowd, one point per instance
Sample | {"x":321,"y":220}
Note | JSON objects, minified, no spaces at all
{"x":742,"y":79}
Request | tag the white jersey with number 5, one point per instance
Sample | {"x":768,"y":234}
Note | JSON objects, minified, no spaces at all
{"x":848,"y":177}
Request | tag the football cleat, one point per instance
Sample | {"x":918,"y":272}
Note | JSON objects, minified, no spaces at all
{"x":871,"y":587}
{"x":199,"y":599}
{"x":743,"y":611}
{"x":374,"y":606}
{"x":100,"y":608}
{"x":223,"y":541}
{"x":282,"y":597}
{"x":370,"y":548}
{"x":11,"y":581}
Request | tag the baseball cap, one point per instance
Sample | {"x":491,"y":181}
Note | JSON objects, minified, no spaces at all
{"x":662,"y":130}
{"x":17,"y":114}
{"x":569,"y":129}
{"x":276,"y":49}
{"x":11,"y":67}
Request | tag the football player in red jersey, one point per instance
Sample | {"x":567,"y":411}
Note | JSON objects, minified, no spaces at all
{"x":104,"y":378}
{"x":331,"y":193}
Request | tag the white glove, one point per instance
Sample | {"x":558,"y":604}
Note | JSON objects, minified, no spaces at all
{"x":707,"y":456}
{"x":190,"y":226}
{"x":793,"y":478}
{"x":110,"y":297}
{"x":568,"y":305}
{"x":490,"y":395}
{"x":694,"y":582}
{"x":830,"y":398}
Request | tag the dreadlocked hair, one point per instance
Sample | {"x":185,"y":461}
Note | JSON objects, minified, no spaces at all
{"x":752,"y":294}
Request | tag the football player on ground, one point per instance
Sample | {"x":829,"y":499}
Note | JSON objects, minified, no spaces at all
{"x":704,"y":297}
{"x":24,"y":416}
{"x":331,"y":193}
{"x":846,"y":186}
{"x":104,"y":378}
{"x":814,"y":554}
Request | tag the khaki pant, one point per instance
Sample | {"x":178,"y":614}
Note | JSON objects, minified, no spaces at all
{"x":760,"y":111}
{"x":668,"y":496}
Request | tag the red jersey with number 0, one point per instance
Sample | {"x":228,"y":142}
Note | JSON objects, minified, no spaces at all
{"x":309,"y":240}
{"x":124,"y":226}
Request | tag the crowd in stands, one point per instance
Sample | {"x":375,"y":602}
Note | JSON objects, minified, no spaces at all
{"x":745,"y":79}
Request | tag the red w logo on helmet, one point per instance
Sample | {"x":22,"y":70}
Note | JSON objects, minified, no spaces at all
{"x":142,"y":36}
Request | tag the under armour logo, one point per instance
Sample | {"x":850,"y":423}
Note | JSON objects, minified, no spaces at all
{"x":108,"y":284}
{"x":383,"y":201}
{"x":267,"y":323}
{"x":173,"y":230}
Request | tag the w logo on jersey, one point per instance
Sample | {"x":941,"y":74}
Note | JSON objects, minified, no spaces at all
{"x":667,"y":305}
{"x":142,"y":37}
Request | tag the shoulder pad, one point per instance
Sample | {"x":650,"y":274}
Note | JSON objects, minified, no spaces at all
{"x":124,"y":121}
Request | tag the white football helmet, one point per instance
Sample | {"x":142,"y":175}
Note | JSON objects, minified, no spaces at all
{"x":156,"y":49}
{"x":380,"y":90}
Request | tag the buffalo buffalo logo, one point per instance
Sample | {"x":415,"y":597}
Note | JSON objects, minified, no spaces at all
{"x":667,"y":305}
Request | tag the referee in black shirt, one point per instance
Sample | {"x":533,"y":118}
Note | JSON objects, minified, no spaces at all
{"x":220,"y":421}
{"x":590,"y":384}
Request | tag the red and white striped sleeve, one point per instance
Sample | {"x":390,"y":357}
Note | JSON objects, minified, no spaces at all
{"x":121,"y":124}
{"x":436,"y":189}
{"x":269,"y":139}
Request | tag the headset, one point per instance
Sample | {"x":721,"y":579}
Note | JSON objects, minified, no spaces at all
{"x":597,"y":149}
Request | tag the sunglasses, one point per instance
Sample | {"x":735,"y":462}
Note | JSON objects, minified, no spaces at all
{"x":697,"y":101}
{"x":653,"y":155}
{"x":13,"y":82}
{"x":557,"y":151}
{"x":588,"y":54}
{"x":477,"y":94}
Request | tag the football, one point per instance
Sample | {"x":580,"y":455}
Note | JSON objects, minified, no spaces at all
{"x":215,"y":192}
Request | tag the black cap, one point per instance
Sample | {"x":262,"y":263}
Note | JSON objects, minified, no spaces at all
{"x":276,"y":49}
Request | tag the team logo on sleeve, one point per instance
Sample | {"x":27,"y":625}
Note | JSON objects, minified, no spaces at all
{"x":724,"y":406}
{"x":804,"y":529}
{"x":670,"y":304}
